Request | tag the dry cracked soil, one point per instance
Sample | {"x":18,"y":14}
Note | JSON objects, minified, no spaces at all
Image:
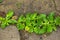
{"x":22,"y":7}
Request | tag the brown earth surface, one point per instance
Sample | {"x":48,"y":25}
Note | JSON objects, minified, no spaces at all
{"x":23,"y":6}
{"x":9,"y":33}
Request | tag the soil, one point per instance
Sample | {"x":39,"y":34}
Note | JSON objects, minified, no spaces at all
{"x":24,"y":6}
{"x":9,"y":33}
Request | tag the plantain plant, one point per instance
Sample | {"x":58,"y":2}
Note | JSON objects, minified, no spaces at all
{"x":33,"y":22}
{"x":7,"y":20}
{"x":41,"y":23}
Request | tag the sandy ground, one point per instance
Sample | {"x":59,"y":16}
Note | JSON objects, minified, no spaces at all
{"x":23,"y":6}
{"x":9,"y":33}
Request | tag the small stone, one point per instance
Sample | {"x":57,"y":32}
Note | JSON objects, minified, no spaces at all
{"x":14,"y":17}
{"x":40,"y":37}
{"x":44,"y":35}
{"x":9,"y":33}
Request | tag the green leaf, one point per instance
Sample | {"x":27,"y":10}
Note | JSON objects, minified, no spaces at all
{"x":49,"y":28}
{"x":41,"y":19}
{"x":31,"y":30}
{"x":21,"y":19}
{"x":33,"y":23}
{"x":4,"y":24}
{"x":12,"y":21}
{"x":36,"y":30}
{"x":27,"y":28}
{"x":20,"y":26}
{"x":50,"y":17}
{"x":57,"y":20}
{"x":39,"y":22}
{"x":55,"y":28}
{"x":9,"y":14}
{"x":41,"y":16}
{"x":28,"y":23}
{"x":43,"y":29}
{"x":1,"y":1}
{"x":28,"y":16}
{"x":33,"y":16}
{"x":1,"y":18}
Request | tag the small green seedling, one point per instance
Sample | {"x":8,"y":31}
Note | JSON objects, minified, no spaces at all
{"x":7,"y":20}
